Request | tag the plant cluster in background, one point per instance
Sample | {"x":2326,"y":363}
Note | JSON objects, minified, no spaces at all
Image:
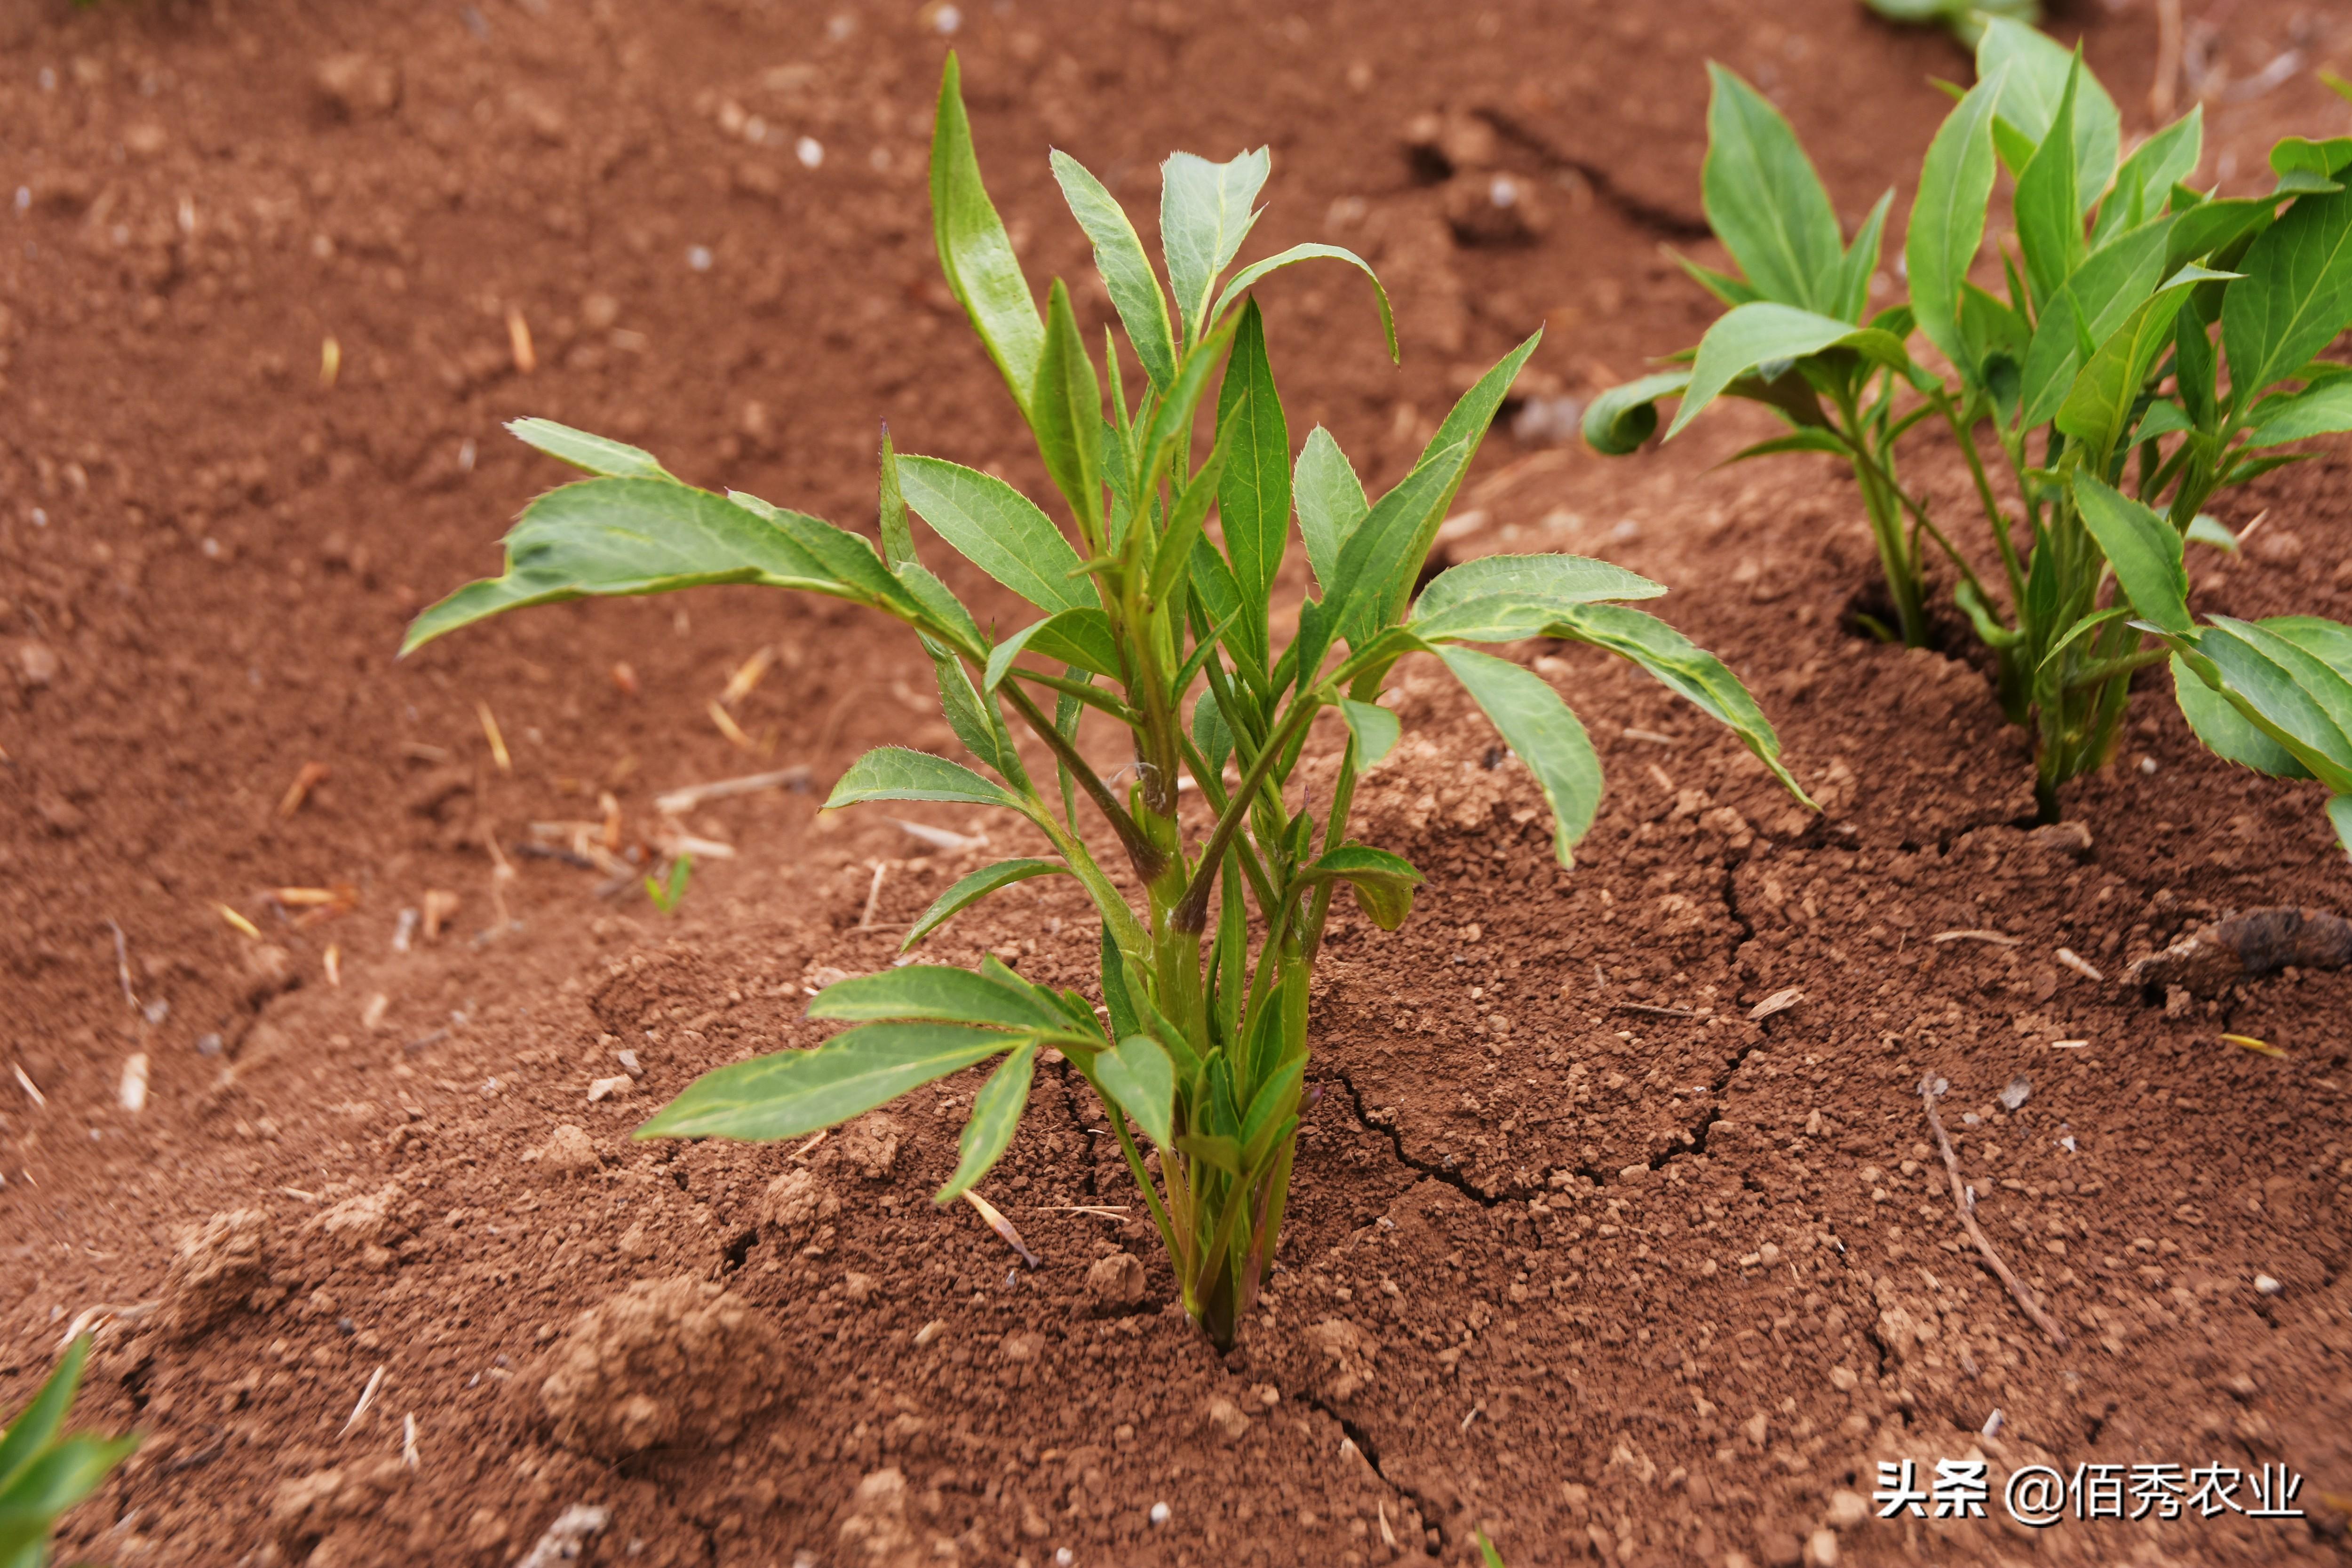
{"x":2145,"y":347}
{"x":1965,"y":18}
{"x":1162,"y":625}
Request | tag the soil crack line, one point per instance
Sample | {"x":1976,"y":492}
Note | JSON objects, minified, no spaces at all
{"x":1435,"y":1172}
{"x":1370,"y":1453}
{"x":1661,"y":221}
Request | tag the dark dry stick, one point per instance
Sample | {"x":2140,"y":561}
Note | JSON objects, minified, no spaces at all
{"x":2049,"y":1325}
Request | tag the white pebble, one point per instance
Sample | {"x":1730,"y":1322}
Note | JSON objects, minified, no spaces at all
{"x":1160,"y":1513}
{"x":2147,"y":766}
{"x":1992,"y":1426}
{"x":24,"y":197}
{"x":1063,"y":1557}
{"x":133,"y":1092}
{"x":947,"y":20}
{"x":699,"y":257}
{"x":2267,"y":1286}
{"x":809,"y":151}
{"x":1503,"y":192}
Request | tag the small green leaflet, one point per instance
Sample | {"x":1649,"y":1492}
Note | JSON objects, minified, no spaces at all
{"x":995,"y":1113}
{"x":1126,"y":270}
{"x":1537,"y":725}
{"x":971,"y":890}
{"x":1764,"y":203}
{"x":1242,"y":280}
{"x":2036,"y":70}
{"x":2228,"y":733}
{"x":895,"y":772}
{"x":597,"y":454}
{"x":937,"y":993}
{"x":1382,"y":883}
{"x":2142,"y":547}
{"x":1137,"y":1076}
{"x":998,"y":530}
{"x":1754,"y":335}
{"x":792,"y":1093}
{"x":1618,"y":421}
{"x":1502,"y":598}
{"x":975,"y":250}
{"x":1375,"y":729}
{"x":1330,"y":501}
{"x":1947,"y":218}
{"x":1204,"y":214}
{"x":2296,"y":296}
{"x":2322,"y":410}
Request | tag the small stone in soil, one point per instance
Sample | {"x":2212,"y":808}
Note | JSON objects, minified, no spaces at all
{"x":2016,"y":1094}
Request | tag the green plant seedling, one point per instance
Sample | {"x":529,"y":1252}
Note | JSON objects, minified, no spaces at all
{"x":667,"y":896}
{"x":1965,"y":18}
{"x":2093,"y":357}
{"x":1197,"y":1038}
{"x":1487,"y":1550}
{"x":42,"y":1474}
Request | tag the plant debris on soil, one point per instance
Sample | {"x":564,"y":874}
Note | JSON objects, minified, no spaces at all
{"x":1620,"y":1231}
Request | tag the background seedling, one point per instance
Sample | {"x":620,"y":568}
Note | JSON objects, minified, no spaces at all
{"x":1197,"y":1042}
{"x":2092,"y":381}
{"x":668,"y":895}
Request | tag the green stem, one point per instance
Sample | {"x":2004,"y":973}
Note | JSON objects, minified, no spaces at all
{"x":1994,"y":515}
{"x":1192,"y":912}
{"x":1144,"y":855}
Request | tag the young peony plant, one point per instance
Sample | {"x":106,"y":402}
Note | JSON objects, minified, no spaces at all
{"x":2091,"y":384}
{"x":1162,"y":624}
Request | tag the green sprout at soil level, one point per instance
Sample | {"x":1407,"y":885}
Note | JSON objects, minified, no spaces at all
{"x":41,"y":1474}
{"x":2093,"y":379}
{"x":1163,"y":627}
{"x":666,"y":896}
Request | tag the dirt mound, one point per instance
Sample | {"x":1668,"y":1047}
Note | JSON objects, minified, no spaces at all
{"x":669,"y":1363}
{"x":220,"y":1268}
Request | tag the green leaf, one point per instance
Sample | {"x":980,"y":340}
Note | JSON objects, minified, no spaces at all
{"x":1486,"y":1547}
{"x":1756,"y":335}
{"x":1126,"y":270}
{"x":969,"y":891}
{"x":1824,"y":442}
{"x":1862,"y":265}
{"x":1213,"y":1149}
{"x":937,"y":993}
{"x":995,"y":1113}
{"x":1066,"y":413}
{"x":1211,"y":733}
{"x":1254,"y":491}
{"x":2037,"y":69}
{"x":1537,"y":725}
{"x":2295,"y":297}
{"x":597,"y":454}
{"x":2082,"y":628}
{"x":1502,"y":598}
{"x":2092,"y":306}
{"x":1947,"y":218}
{"x":791,"y":1093}
{"x":974,"y":719}
{"x":1250,"y":275}
{"x":894,"y":773}
{"x":1451,"y":447}
{"x":1378,"y":549}
{"x":1619,"y":420}
{"x":617,"y":537}
{"x":2099,"y":407}
{"x":890,"y":506}
{"x":1204,"y":214}
{"x":998,"y":530}
{"x":1383,"y":883}
{"x":1376,"y":729}
{"x":975,"y":252}
{"x":1330,"y":501}
{"x":1270,"y":1110}
{"x":1685,"y":668}
{"x":2210,"y":531}
{"x":2212,"y":228}
{"x":2154,"y":168}
{"x":2164,"y":418}
{"x":1722,"y":285}
{"x":2322,"y":410}
{"x":2298,"y":699}
{"x":37,"y":1423}
{"x":2142,"y":547}
{"x":2301,"y":155}
{"x":2048,"y":213}
{"x":2228,"y":733}
{"x":59,"y":1478}
{"x":2339,"y":816}
{"x":1764,"y":203}
{"x":1172,"y":424}
{"x":1137,"y":1076}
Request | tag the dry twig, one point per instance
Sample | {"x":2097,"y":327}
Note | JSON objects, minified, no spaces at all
{"x":1649,"y":1007}
{"x":2160,"y":92}
{"x":1998,"y":939}
{"x":1003,"y":1226}
{"x":687,"y":798}
{"x":1930,"y":1088}
{"x":367,"y":1395}
{"x":309,"y":778}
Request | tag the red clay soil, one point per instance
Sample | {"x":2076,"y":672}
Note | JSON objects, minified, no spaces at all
{"x":1580,"y":1255}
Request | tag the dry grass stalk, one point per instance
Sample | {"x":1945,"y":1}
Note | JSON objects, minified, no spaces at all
{"x":440,"y":908}
{"x":239,"y":923}
{"x":311,"y":776}
{"x":122,"y":964}
{"x":674,"y":803}
{"x":874,"y":895}
{"x":526,"y":357}
{"x":1997,"y":938}
{"x":498,"y":740}
{"x":2162,"y":91}
{"x":1778,"y":1001}
{"x":332,"y":960}
{"x":133,"y":1092}
{"x":734,"y":731}
{"x":29,"y":1086}
{"x":747,"y":676}
{"x":367,"y":1397}
{"x":1002,"y":1227}
{"x":2079,"y":964}
{"x":1930,"y":1088}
